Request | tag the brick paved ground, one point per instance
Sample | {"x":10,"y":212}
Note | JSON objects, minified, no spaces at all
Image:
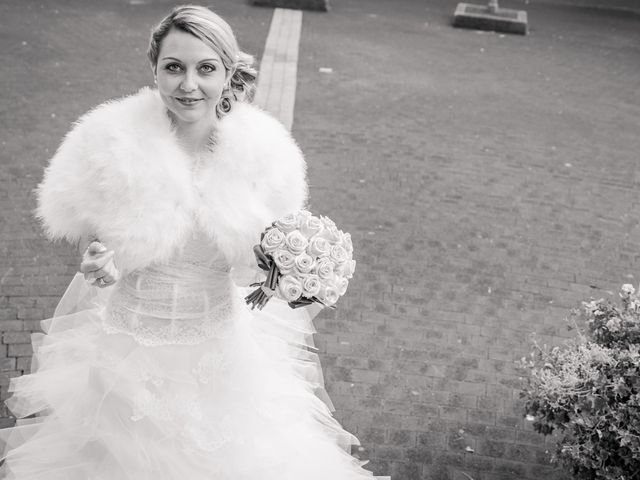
{"x":489,"y":183}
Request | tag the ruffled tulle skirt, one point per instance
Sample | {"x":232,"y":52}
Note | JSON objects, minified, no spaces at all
{"x":100,"y":405}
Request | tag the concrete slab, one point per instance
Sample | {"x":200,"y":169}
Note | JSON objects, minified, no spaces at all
{"x":321,"y":5}
{"x":481,"y":17}
{"x":278,"y":69}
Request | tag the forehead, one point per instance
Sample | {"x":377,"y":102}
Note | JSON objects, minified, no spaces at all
{"x":186,"y":47}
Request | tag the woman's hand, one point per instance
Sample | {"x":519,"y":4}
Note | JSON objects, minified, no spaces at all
{"x":98,"y":266}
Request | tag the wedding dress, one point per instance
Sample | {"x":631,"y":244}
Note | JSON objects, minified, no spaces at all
{"x":169,"y":375}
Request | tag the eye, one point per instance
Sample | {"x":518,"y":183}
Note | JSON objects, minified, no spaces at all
{"x":207,"y":68}
{"x":173,"y":67}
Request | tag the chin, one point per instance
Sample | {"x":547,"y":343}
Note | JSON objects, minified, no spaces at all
{"x":189,"y":116}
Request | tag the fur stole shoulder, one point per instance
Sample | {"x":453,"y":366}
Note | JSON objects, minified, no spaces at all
{"x":121,"y":174}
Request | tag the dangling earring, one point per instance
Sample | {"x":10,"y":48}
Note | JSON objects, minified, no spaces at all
{"x":224,"y":104}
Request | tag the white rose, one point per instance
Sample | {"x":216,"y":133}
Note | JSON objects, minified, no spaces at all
{"x":296,"y":242}
{"x":339,"y":254}
{"x":311,"y":285}
{"x":331,"y":233}
{"x":352,"y":268}
{"x":325,"y":268}
{"x":289,"y":288}
{"x":328,"y":295}
{"x":272,"y":239}
{"x":346,"y":242}
{"x":304,"y":263}
{"x":346,"y":269}
{"x":327,"y":222}
{"x":341,"y":285}
{"x":319,"y":247}
{"x":284,"y":259}
{"x":288,"y":223}
{"x":311,"y":226}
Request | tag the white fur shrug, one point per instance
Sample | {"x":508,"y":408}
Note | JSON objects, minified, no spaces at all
{"x":121,"y":174}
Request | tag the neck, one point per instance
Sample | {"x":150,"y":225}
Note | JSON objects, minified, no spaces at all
{"x":195,"y":136}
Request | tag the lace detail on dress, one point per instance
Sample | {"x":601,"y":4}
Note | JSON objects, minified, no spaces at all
{"x":211,"y":437}
{"x":157,"y":398}
{"x":167,"y":408}
{"x":183,"y":302}
{"x":209,"y":365}
{"x":150,"y":331}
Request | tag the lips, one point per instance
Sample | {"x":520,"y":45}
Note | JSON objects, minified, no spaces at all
{"x":187,"y":101}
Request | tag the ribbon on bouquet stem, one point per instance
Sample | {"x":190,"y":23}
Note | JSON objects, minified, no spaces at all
{"x":261,"y":295}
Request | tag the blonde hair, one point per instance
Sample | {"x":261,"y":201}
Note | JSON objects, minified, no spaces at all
{"x":211,"y":29}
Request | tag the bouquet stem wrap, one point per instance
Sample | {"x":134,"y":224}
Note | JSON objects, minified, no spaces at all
{"x":261,"y":295}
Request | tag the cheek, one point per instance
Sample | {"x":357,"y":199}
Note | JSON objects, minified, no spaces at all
{"x":166,"y":83}
{"x":164,"y":92}
{"x":213,"y":87}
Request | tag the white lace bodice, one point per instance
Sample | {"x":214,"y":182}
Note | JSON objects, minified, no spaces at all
{"x":185,"y":301}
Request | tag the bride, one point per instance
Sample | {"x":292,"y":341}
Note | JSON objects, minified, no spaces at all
{"x":153,"y":367}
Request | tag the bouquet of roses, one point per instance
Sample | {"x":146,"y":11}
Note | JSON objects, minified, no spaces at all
{"x":307,"y":260}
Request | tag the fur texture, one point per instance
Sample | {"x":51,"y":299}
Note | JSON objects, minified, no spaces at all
{"x":121,"y":174}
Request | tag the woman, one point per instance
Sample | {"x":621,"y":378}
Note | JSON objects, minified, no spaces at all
{"x":153,"y":367}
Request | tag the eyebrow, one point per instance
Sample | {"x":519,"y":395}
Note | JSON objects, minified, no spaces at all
{"x":205,"y":60}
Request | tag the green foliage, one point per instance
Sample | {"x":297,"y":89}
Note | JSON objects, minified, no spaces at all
{"x":588,"y":391}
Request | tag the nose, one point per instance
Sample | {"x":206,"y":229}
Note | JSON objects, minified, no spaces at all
{"x":188,"y":83}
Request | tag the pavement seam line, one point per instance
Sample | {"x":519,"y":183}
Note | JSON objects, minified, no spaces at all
{"x":277,"y":78}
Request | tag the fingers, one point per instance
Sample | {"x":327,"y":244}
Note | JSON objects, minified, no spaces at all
{"x":105,"y":280}
{"x":101,"y":284}
{"x":96,"y":247}
{"x":95,"y":261}
{"x":107,"y":274}
{"x":98,"y":266}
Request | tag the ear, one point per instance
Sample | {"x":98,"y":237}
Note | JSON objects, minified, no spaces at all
{"x":229,"y":74}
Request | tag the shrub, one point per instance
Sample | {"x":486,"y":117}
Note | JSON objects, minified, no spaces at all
{"x":588,"y":391}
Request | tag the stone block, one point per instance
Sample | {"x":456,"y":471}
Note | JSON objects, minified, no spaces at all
{"x":318,"y":5}
{"x":7,"y":364}
{"x":16,"y":337}
{"x":481,"y":17}
{"x":11,"y":325}
{"x":402,"y":437}
{"x":20,"y":350}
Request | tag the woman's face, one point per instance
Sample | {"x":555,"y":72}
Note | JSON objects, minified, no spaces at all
{"x":190,"y":77}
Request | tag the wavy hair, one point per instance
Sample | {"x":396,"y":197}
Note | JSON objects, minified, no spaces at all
{"x":210,"y":28}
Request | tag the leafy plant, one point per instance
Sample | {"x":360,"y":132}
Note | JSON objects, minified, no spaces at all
{"x":588,"y":391}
